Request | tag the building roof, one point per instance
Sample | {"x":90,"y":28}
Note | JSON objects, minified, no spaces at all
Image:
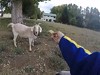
{"x":49,"y":14}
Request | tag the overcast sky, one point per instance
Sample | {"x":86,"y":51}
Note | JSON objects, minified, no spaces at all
{"x":47,"y":5}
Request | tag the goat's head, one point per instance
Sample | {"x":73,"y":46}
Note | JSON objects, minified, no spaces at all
{"x":37,"y":29}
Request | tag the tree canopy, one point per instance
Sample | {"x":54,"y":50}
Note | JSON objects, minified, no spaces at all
{"x":74,"y":15}
{"x":29,"y":7}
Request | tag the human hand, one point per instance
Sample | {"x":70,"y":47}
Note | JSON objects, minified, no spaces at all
{"x":56,"y":36}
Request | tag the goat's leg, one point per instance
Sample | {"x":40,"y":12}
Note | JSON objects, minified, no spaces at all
{"x":30,"y":42}
{"x":15,"y":37}
{"x":33,"y":42}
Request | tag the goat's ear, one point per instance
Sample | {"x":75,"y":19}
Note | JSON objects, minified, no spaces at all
{"x":40,"y":29}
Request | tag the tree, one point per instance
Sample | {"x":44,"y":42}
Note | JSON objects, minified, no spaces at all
{"x":94,"y":19}
{"x":2,"y":4}
{"x":74,"y":15}
{"x":58,"y":12}
{"x":80,"y":22}
{"x":65,"y":17}
{"x":17,"y":13}
{"x":30,"y":9}
{"x":16,"y":10}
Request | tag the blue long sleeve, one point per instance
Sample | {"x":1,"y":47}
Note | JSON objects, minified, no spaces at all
{"x":79,"y":59}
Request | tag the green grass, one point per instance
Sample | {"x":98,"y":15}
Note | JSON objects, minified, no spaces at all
{"x":18,"y":51}
{"x":4,"y":22}
{"x":3,"y":47}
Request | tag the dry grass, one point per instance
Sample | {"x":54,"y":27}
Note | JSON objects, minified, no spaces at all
{"x":45,"y":59}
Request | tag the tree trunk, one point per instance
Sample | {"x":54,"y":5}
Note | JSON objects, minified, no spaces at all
{"x":17,"y":16}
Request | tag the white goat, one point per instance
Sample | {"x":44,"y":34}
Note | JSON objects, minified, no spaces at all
{"x":27,"y":32}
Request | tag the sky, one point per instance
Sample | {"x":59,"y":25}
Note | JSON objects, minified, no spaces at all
{"x":47,"y":5}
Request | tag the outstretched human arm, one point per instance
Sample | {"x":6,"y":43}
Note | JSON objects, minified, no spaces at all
{"x":71,"y":51}
{"x":80,"y":60}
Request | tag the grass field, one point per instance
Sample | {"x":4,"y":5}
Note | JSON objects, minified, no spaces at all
{"x":45,"y":59}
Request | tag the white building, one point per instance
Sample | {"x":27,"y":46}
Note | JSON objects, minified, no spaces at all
{"x":7,"y":15}
{"x":48,"y":17}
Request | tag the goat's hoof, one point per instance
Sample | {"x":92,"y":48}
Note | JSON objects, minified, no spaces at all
{"x":15,"y":46}
{"x":30,"y":50}
{"x":32,"y":44}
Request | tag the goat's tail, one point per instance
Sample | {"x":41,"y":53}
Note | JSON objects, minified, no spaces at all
{"x":10,"y":24}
